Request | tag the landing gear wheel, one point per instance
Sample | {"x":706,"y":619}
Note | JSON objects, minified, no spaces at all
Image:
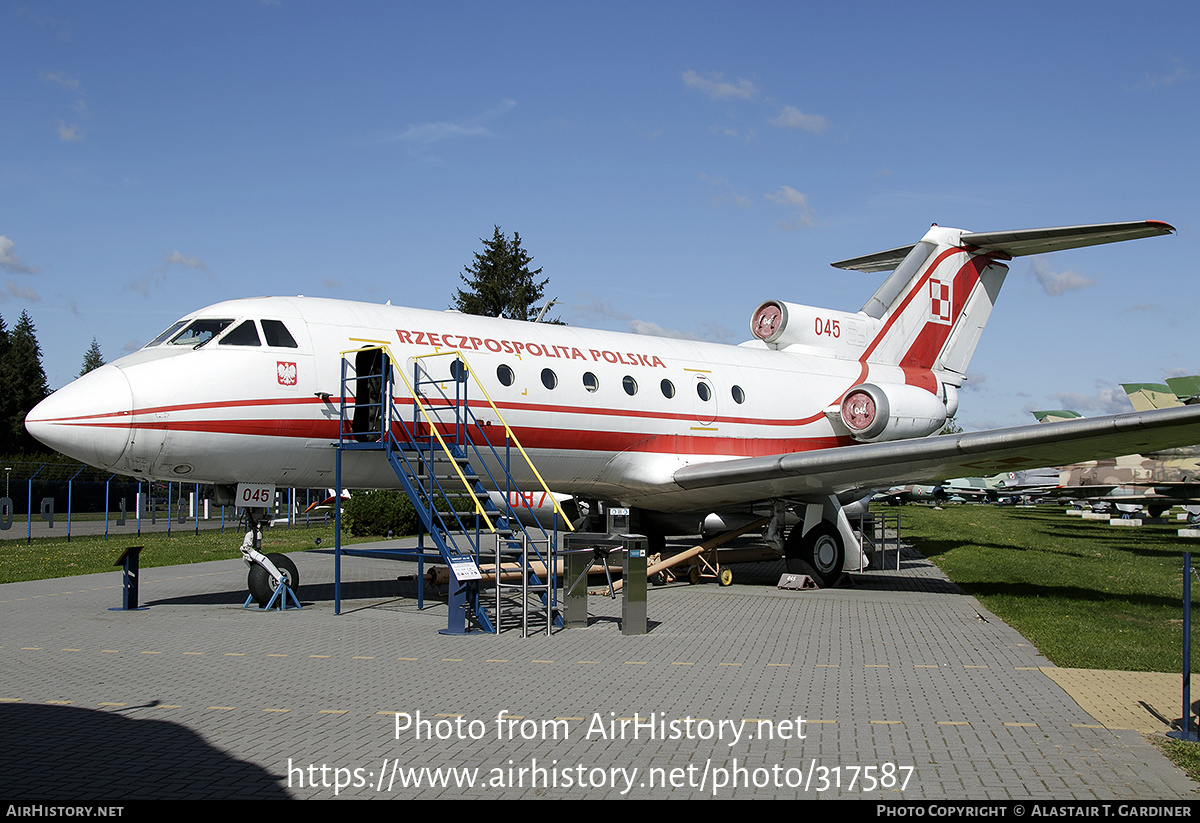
{"x":658,"y":579}
{"x":819,"y":554}
{"x":725,"y":577}
{"x":693,"y":575}
{"x":262,"y":585}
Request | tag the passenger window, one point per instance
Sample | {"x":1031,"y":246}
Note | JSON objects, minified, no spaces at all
{"x":505,"y":375}
{"x":704,"y":390}
{"x":668,"y":389}
{"x":549,"y":378}
{"x":590,"y":381}
{"x":630,"y":385}
{"x":243,"y":335}
{"x":200,"y":332}
{"x":278,"y":335}
{"x":739,"y":396}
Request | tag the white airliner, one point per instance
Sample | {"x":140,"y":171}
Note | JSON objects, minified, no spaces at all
{"x":818,"y":407}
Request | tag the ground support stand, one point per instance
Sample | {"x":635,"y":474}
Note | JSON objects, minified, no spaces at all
{"x":282,"y":600}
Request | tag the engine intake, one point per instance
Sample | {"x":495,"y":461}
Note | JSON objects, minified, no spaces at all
{"x":891,"y":411}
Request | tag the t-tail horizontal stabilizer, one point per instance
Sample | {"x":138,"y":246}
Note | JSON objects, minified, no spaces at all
{"x":1020,"y":242}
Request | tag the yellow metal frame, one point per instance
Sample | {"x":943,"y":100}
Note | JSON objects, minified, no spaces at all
{"x":434,"y":429}
{"x":507,"y":431}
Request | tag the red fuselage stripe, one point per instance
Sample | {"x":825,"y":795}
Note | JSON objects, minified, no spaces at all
{"x":530,"y":437}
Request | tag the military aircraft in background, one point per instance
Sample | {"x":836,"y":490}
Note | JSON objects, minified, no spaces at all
{"x":1147,"y":396}
{"x":999,"y":488}
{"x":1186,"y":389}
{"x":1153,"y":480}
{"x":817,"y":408}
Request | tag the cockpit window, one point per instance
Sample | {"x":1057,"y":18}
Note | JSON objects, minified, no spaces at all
{"x":200,"y":332}
{"x":243,"y":335}
{"x":176,"y":326}
{"x":278,"y":335}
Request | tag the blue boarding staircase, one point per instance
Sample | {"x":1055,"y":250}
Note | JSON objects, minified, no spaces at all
{"x":449,"y":461}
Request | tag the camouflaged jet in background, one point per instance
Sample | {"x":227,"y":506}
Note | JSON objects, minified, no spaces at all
{"x":1155,"y":481}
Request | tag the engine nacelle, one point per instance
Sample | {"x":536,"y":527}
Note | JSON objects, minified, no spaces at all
{"x":891,"y":411}
{"x":780,"y":325}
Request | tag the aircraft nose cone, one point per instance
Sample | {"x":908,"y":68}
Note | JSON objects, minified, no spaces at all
{"x":87,"y":419}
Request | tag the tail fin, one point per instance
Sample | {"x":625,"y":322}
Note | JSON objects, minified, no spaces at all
{"x":1056,"y":415}
{"x":1186,"y":389}
{"x":1147,"y":396}
{"x":934,"y":305}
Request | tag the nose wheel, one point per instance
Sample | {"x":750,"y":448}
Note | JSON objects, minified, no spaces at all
{"x":264,"y":587}
{"x":273,"y":578}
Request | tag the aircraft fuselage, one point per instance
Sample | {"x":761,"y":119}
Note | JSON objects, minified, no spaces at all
{"x":602,"y":414}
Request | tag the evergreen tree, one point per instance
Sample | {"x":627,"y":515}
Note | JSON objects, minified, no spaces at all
{"x":6,"y":405}
{"x":24,"y":382}
{"x":499,"y":282}
{"x":950,"y":427}
{"x":92,"y":359}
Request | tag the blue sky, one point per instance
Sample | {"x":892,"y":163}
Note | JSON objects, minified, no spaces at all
{"x":669,"y":165}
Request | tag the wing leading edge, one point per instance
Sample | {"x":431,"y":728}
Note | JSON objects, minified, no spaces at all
{"x":872,"y":465}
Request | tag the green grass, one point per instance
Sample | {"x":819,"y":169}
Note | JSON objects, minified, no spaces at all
{"x":48,"y":557}
{"x":1182,"y":753}
{"x":1087,"y":594}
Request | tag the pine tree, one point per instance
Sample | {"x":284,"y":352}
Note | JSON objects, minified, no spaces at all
{"x":499,"y":282}
{"x":6,"y":404}
{"x":24,"y":381}
{"x":92,"y":359}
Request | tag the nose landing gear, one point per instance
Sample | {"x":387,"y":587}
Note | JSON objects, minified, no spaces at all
{"x":273,"y":578}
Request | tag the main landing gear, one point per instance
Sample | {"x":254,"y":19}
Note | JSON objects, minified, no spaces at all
{"x":817,"y":545}
{"x":820,"y":553}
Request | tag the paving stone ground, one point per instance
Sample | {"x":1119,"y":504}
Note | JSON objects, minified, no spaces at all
{"x":898,"y":686}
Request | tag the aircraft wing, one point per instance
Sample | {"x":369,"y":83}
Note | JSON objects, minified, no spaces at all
{"x":814,"y":474}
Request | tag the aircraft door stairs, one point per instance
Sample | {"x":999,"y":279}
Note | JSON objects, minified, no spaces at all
{"x":448,"y":461}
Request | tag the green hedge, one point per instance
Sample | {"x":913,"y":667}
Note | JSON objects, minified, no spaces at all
{"x":377,"y":512}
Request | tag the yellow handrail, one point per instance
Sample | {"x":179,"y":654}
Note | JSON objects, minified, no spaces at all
{"x":507,"y":430}
{"x":433,"y":428}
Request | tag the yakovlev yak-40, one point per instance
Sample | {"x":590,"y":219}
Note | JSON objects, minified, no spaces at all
{"x":818,"y":407}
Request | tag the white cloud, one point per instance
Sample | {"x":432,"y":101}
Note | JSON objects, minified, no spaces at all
{"x":433,"y":132}
{"x":60,"y":78}
{"x":1179,"y":75}
{"x":69,"y":134}
{"x":23,"y":292}
{"x":725,"y":191}
{"x":176,"y":259}
{"x":1105,"y":401}
{"x":9,"y":261}
{"x":792,"y":118}
{"x":788,"y":197}
{"x":717,"y":88}
{"x":426,"y":133}
{"x":596,"y":307}
{"x":1056,"y":283}
{"x":157,"y":276}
